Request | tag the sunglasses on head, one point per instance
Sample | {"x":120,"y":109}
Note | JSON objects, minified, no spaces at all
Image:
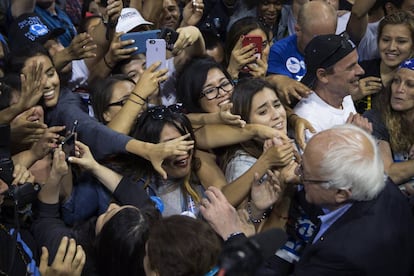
{"x":159,"y":112}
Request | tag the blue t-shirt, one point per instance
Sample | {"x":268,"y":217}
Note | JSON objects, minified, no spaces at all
{"x":285,"y":59}
{"x":61,"y":20}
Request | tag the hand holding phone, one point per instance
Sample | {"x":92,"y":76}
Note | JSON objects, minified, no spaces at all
{"x":257,"y":42}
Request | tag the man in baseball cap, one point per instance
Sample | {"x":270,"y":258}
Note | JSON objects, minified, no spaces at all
{"x":333,"y":72}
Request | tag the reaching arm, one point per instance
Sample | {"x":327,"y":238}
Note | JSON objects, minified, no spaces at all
{"x":214,"y":136}
{"x":358,"y":21}
{"x":399,"y":172}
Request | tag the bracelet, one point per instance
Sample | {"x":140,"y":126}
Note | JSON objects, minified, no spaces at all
{"x":264,"y":216}
{"x":145,"y":100}
{"x":136,"y":102}
{"x":107,"y":64}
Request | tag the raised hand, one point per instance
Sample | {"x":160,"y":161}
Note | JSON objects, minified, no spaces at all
{"x":33,"y":82}
{"x":192,"y":13}
{"x":117,"y":50}
{"x":158,"y":152}
{"x":149,"y":81}
{"x":47,"y":142}
{"x":219,"y":213}
{"x":82,"y":46}
{"x":240,"y":57}
{"x":266,"y":190}
{"x":69,"y":260}
{"x":26,"y":128}
{"x":84,"y":157}
{"x":229,"y":118}
{"x":360,"y":121}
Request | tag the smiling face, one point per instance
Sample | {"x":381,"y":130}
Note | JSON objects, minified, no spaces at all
{"x":395,"y":44}
{"x":270,"y":11}
{"x":402,"y":90}
{"x":215,"y":78}
{"x":346,"y":74}
{"x":170,"y":14}
{"x":176,"y":166}
{"x":267,"y":110}
{"x":51,"y":89}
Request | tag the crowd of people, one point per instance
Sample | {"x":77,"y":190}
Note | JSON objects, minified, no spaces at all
{"x":295,"y":115}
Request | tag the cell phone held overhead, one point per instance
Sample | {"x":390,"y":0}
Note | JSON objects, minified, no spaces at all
{"x":156,"y":52}
{"x":140,"y":39}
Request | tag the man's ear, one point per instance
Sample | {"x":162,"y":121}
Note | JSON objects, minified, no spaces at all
{"x":342,"y":195}
{"x":321,"y":75}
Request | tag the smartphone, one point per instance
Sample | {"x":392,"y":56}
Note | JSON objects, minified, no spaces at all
{"x":68,"y":144}
{"x":257,"y":42}
{"x":156,"y":51}
{"x":140,"y":40}
{"x":170,"y":36}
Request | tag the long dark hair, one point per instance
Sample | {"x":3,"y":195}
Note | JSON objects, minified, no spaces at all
{"x":191,"y":81}
{"x":120,"y":246}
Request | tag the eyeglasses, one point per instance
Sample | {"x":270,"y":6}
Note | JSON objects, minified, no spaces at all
{"x":213,"y":92}
{"x":303,"y":180}
{"x":118,"y":103}
{"x":159,"y":112}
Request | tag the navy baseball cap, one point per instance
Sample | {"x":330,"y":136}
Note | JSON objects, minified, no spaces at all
{"x":29,"y":28}
{"x":324,"y":51}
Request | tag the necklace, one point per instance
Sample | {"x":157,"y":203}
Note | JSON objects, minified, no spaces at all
{"x":19,"y":249}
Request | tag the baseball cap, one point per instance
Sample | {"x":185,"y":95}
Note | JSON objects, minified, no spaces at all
{"x":29,"y":28}
{"x":129,"y":19}
{"x":324,"y":51}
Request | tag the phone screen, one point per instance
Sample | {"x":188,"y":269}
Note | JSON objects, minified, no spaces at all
{"x":68,"y":145}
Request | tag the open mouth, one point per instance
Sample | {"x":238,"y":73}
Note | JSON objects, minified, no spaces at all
{"x":182,"y":162}
{"x":279,"y":126}
{"x":49,"y":95}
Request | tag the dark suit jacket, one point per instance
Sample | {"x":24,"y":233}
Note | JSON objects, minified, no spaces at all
{"x":374,"y":237}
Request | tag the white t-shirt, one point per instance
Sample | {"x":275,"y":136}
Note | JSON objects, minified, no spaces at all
{"x":322,"y":115}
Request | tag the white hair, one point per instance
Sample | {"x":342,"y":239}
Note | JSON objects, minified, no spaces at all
{"x":350,"y":164}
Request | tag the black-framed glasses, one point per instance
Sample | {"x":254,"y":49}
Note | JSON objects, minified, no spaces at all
{"x":304,"y":180}
{"x":213,"y":92}
{"x":159,"y":112}
{"x":118,"y":103}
